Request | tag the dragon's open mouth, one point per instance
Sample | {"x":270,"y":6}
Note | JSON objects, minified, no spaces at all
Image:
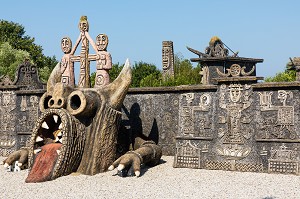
{"x":54,"y":131}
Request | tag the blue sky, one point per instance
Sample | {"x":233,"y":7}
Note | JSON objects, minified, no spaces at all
{"x":258,"y":29}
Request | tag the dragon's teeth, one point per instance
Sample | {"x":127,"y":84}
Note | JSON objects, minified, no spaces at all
{"x":59,"y":134}
{"x":58,"y":152}
{"x":45,"y":125}
{"x":55,"y":117}
{"x":39,"y":139}
{"x":60,"y":126}
{"x":36,"y":151}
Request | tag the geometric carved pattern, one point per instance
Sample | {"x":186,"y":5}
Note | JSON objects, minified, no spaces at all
{"x":187,"y":155}
{"x":6,"y":152}
{"x":214,"y":165}
{"x":249,"y":167}
{"x":276,"y":166}
{"x":188,"y":162}
{"x":227,"y":166}
{"x":283,"y":160}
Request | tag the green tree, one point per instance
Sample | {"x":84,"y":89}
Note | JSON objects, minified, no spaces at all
{"x":286,"y":76}
{"x":141,"y":70}
{"x":10,"y":58}
{"x":184,"y":74}
{"x":152,"y":80}
{"x":14,"y":34}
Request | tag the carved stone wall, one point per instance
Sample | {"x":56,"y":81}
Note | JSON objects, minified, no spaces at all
{"x":233,"y":126}
{"x":19,"y":108}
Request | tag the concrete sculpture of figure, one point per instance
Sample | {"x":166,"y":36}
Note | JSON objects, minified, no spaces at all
{"x":67,"y":66}
{"x":78,"y":132}
{"x":103,"y":59}
{"x":167,"y":59}
{"x":216,"y":48}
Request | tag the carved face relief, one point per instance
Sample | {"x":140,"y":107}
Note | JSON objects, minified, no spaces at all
{"x":166,"y":57}
{"x":76,"y":125}
{"x":235,"y":92}
{"x":66,"y":45}
{"x":101,"y":42}
{"x":84,"y":26}
{"x":282,"y":96}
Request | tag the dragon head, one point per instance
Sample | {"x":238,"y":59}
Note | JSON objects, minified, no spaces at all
{"x":77,"y":130}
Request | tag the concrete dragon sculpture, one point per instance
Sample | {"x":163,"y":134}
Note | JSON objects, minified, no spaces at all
{"x":78,"y":128}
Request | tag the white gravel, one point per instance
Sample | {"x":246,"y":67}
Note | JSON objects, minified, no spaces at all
{"x":162,"y":181}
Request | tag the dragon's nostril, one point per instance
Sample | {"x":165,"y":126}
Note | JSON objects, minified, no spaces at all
{"x":59,"y":102}
{"x":75,"y":102}
{"x":51,"y":102}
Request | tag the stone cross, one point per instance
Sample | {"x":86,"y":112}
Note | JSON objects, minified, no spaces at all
{"x":84,"y":58}
{"x":103,"y":58}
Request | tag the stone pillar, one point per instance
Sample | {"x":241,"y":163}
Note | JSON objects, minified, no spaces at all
{"x":167,"y":59}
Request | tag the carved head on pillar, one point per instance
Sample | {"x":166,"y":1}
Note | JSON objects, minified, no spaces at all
{"x":167,"y":54}
{"x":83,"y":24}
{"x":102,"y":42}
{"x":77,"y":130}
{"x":66,"y":45}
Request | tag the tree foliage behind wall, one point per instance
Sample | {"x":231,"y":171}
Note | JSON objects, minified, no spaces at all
{"x":147,"y":75}
{"x":10,"y":59}
{"x":285,"y":76}
{"x":14,"y":34}
{"x":185,"y":74}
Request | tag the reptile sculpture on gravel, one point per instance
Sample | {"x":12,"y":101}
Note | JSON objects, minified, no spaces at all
{"x":78,"y":131}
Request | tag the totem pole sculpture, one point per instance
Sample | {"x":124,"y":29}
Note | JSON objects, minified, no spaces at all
{"x":78,"y":128}
{"x":167,"y":59}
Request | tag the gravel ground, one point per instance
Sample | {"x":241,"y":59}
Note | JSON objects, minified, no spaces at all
{"x":162,"y":181}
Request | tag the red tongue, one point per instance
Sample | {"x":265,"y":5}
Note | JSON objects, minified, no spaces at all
{"x":44,"y":164}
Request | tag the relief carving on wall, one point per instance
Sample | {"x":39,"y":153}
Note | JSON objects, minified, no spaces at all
{"x":276,"y":122}
{"x":194,"y":121}
{"x":29,"y":113}
{"x":238,"y":99}
{"x":7,"y":124}
{"x":283,"y":160}
{"x":235,"y":131}
{"x":187,"y":154}
{"x":236,"y":70}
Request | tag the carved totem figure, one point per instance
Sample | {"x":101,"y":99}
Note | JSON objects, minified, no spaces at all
{"x":103,"y":59}
{"x":78,"y":131}
{"x":67,"y":65}
{"x":167,"y":59}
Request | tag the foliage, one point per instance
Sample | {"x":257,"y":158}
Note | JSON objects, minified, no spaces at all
{"x":10,"y":59}
{"x":115,"y":71}
{"x":14,"y":34}
{"x":184,"y":74}
{"x":286,"y":76}
{"x":141,"y":70}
